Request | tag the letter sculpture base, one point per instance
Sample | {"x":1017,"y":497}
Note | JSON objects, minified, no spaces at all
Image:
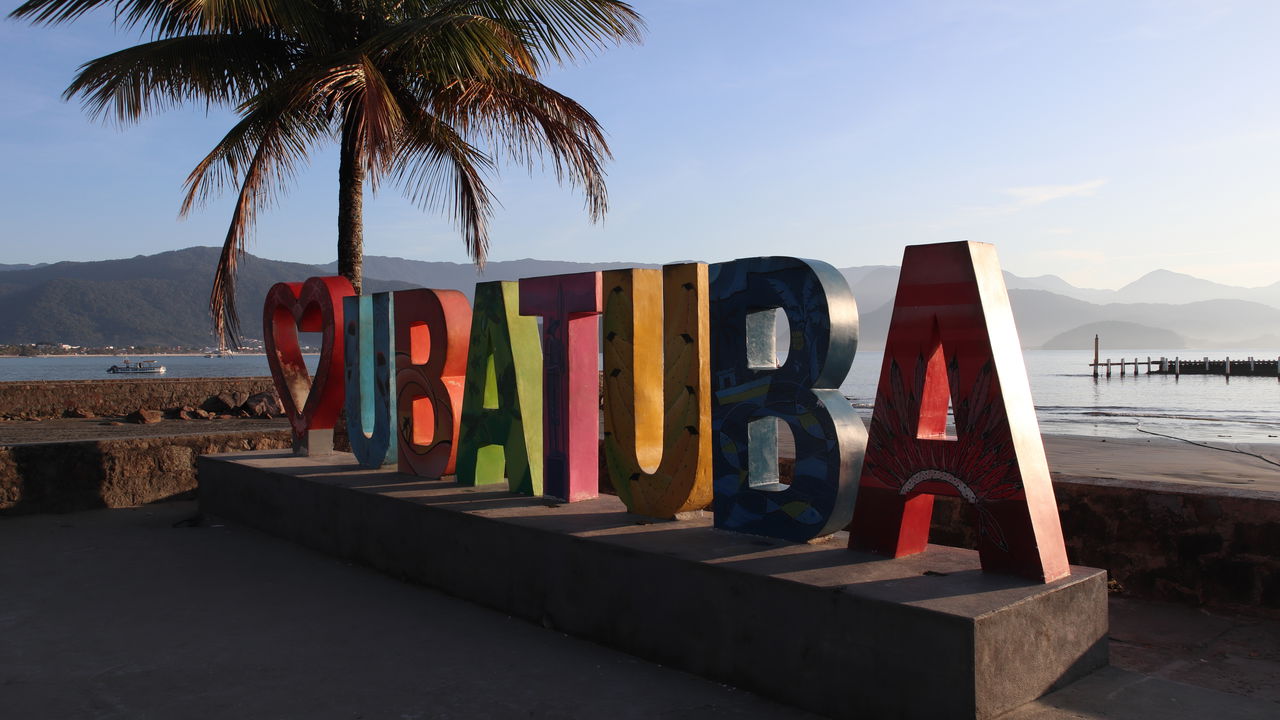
{"x":838,"y":632}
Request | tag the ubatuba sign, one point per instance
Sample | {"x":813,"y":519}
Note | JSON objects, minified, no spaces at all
{"x":692,"y":395}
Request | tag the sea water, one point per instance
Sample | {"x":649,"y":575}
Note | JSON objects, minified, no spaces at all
{"x":1068,"y":399}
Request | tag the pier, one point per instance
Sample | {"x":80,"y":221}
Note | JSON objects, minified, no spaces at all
{"x":1248,"y":367}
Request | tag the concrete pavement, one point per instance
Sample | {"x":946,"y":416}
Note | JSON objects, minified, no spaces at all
{"x":135,"y":613}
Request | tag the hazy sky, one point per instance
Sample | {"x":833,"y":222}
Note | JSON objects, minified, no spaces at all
{"x":1093,"y":140}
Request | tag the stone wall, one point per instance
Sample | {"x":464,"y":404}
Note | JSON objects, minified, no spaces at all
{"x":1201,"y":546}
{"x":70,"y":476}
{"x":54,"y":398}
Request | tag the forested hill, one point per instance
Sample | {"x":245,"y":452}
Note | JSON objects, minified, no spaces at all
{"x":162,"y":300}
{"x":145,"y":300}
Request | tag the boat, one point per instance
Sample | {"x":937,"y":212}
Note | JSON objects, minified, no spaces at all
{"x":142,"y":367}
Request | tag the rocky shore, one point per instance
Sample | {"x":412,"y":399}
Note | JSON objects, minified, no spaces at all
{"x":186,"y":398}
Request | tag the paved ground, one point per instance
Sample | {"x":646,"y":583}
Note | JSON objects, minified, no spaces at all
{"x":122,"y":614}
{"x":117,"y":614}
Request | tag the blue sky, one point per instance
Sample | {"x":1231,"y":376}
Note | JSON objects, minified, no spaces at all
{"x":1093,"y":140}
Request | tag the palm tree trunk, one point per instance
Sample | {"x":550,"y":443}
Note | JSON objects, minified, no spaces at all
{"x":351,"y":204}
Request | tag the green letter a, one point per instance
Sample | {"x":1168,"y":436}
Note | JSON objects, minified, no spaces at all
{"x":501,"y":434}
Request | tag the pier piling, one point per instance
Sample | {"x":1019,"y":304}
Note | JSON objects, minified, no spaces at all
{"x":1095,"y":356}
{"x":1248,"y":367}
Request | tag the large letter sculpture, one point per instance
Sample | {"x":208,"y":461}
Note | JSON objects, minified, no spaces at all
{"x":657,"y":443}
{"x":502,"y":406}
{"x":750,"y":392}
{"x":370,"y":378}
{"x":431,"y":341}
{"x":312,"y":405}
{"x":568,"y":305}
{"x":952,"y":337}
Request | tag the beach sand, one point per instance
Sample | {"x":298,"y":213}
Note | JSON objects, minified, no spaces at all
{"x":1157,"y":459}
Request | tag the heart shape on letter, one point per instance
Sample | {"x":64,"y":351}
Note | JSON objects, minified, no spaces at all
{"x":313,"y":306}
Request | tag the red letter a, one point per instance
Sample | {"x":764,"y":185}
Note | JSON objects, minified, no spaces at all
{"x":952,"y":338}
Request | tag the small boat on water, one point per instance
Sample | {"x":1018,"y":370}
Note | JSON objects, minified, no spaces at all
{"x":142,"y":367}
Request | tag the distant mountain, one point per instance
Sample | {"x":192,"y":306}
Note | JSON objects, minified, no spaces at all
{"x":1055,"y":284}
{"x":149,"y":299}
{"x":1135,"y":335}
{"x":856,"y":274}
{"x":456,"y":276}
{"x":161,"y":299}
{"x":873,"y":286}
{"x":1043,"y":316}
{"x":1165,"y":286}
{"x":20,"y":266}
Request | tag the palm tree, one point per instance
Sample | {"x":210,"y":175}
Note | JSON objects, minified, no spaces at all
{"x":430,"y":94}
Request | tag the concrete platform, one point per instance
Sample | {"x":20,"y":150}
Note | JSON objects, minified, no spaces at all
{"x":814,"y":626}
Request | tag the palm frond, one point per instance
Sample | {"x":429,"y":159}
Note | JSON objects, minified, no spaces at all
{"x":269,"y":143}
{"x":170,"y":18}
{"x":447,"y":45}
{"x":441,"y":170}
{"x":565,"y":30}
{"x":381,"y":120}
{"x":530,"y":121}
{"x":214,"y":69}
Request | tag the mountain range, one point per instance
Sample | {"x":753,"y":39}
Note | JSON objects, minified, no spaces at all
{"x":162,"y":300}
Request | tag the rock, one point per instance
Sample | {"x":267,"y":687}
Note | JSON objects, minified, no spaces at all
{"x":144,"y":416}
{"x":264,"y":405}
{"x":214,"y":405}
{"x":224,"y":402}
{"x":77,"y":413}
{"x":233,"y":399}
{"x":194,"y":413}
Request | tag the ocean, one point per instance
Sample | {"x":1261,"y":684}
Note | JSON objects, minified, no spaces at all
{"x":1069,"y":401}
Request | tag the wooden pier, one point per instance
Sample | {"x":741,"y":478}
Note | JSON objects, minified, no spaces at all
{"x":1249,"y":367}
{"x":1176,"y":366}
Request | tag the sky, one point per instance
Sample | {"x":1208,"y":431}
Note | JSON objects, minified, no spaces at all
{"x":1096,"y":141}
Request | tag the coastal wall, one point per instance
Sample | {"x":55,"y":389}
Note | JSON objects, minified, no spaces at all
{"x":37,"y":400}
{"x":119,"y":472}
{"x":1201,"y":546}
